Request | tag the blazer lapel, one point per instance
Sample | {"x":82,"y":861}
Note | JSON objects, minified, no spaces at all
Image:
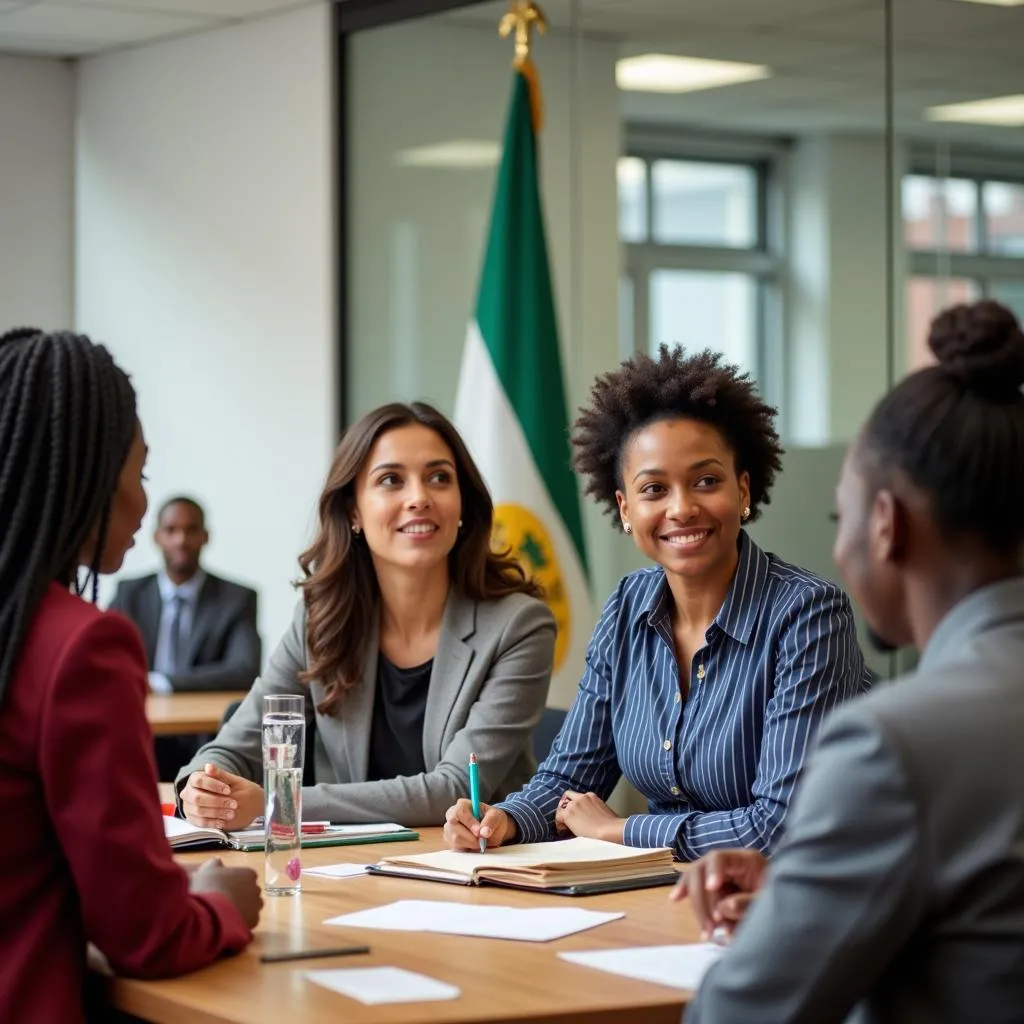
{"x":356,"y":713}
{"x":148,"y":617}
{"x":451,"y":663}
{"x":202,"y":620}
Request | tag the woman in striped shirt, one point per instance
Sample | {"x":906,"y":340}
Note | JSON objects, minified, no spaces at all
{"x":709,"y":673}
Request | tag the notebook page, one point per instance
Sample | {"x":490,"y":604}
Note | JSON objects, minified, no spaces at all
{"x":180,"y":829}
{"x":570,"y":853}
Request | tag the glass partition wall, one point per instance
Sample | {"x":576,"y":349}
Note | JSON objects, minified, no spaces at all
{"x":796,"y":183}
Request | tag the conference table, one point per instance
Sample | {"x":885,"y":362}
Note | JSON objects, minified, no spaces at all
{"x":499,"y":980}
{"x":179,"y":714}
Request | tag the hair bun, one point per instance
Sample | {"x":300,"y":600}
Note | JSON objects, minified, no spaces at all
{"x":980,"y":345}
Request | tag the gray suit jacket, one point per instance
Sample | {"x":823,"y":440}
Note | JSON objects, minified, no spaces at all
{"x":488,"y":686}
{"x":899,"y":888}
{"x":223,"y":647}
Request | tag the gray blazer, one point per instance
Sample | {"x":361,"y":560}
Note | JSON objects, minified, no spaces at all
{"x":223,"y":647}
{"x":898,"y":891}
{"x":488,"y":687}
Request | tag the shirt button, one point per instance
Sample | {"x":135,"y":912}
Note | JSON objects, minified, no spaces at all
{"x":700,"y":671}
{"x":679,"y":697}
{"x":667,"y":744}
{"x":675,"y":791}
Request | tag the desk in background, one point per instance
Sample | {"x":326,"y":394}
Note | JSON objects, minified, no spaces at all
{"x":500,"y":980}
{"x":178,"y":714}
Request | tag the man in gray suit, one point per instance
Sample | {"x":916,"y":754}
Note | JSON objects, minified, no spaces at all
{"x":199,"y":630}
{"x":898,"y":891}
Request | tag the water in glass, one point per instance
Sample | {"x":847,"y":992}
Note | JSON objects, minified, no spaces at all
{"x":283,"y":742}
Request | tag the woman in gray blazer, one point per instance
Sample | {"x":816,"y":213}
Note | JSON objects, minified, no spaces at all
{"x":414,"y":644}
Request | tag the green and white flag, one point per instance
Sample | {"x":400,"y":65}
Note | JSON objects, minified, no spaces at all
{"x":511,"y":406}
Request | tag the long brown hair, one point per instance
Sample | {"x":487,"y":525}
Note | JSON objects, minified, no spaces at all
{"x":340,"y":585}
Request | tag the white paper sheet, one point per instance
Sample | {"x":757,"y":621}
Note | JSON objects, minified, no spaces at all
{"x":336,"y":870}
{"x":540,"y":924}
{"x":675,"y":966}
{"x":372,"y":985}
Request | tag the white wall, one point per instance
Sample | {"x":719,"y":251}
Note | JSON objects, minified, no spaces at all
{"x":205,"y":262}
{"x":37,"y":116}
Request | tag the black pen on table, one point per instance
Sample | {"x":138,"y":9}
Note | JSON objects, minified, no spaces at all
{"x":309,"y":954}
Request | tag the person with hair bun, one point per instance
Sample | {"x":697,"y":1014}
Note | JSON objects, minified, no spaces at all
{"x":899,"y":888}
{"x":709,"y":674}
{"x":84,"y":857}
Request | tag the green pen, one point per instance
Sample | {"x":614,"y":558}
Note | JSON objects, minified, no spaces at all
{"x":474,"y":795}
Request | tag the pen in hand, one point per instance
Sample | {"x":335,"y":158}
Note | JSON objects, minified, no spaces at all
{"x":309,"y":954}
{"x":474,"y":795}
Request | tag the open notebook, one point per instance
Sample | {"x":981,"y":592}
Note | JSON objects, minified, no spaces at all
{"x":572,"y":867}
{"x":183,"y":835}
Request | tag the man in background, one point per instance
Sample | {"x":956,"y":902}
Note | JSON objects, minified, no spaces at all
{"x":199,"y":630}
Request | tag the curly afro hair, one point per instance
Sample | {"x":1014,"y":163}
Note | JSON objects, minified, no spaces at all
{"x":700,"y":387}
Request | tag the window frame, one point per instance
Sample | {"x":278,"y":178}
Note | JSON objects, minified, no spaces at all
{"x":764,"y":261}
{"x":983,"y":266}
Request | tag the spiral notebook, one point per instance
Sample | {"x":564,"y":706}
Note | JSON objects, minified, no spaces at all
{"x":184,"y":836}
{"x":571,"y":867}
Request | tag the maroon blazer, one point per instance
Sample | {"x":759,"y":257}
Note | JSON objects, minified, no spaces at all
{"x":82,"y":850}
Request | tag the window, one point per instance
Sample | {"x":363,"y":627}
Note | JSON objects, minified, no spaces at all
{"x":965,"y":240}
{"x":698,"y":266}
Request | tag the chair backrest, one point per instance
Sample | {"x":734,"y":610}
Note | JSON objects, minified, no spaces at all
{"x":546,"y":730}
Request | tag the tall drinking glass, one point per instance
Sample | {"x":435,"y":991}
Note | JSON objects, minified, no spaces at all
{"x":284,"y":741}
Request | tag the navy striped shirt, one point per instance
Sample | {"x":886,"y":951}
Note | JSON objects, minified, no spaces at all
{"x":717,"y":768}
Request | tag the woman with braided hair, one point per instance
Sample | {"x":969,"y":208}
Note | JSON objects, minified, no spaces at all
{"x":85,"y":859}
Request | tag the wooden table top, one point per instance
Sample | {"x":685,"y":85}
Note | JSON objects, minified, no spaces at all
{"x":500,"y":980}
{"x":177,"y":714}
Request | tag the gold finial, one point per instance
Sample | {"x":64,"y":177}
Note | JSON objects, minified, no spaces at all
{"x":523,"y":17}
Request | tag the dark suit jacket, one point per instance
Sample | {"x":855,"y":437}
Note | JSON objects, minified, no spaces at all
{"x":223,"y":647}
{"x":899,"y":888}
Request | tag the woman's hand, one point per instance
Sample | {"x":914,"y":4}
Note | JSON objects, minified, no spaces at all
{"x":214,"y":798}
{"x":587,"y":815}
{"x":463,"y":832}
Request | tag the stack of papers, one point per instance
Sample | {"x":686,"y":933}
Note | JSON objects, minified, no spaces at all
{"x":539,"y":924}
{"x":546,"y":866}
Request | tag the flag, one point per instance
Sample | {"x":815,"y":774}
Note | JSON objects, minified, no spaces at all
{"x":511,"y":406}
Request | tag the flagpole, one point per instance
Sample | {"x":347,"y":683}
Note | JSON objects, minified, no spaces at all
{"x":523,"y":18}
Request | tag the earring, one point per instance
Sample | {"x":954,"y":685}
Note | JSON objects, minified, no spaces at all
{"x":745,"y":514}
{"x":357,"y":530}
{"x":627,"y":529}
{"x":460,"y":524}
